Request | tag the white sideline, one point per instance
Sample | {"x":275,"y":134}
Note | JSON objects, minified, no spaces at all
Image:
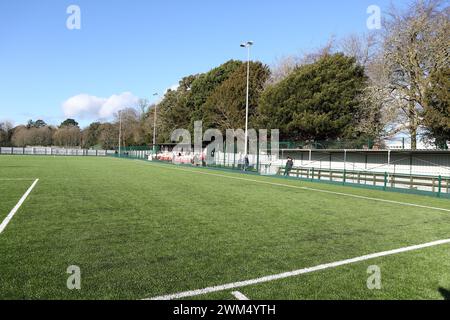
{"x":16,"y":208}
{"x":16,"y":179}
{"x":305,"y":188}
{"x":241,"y":284}
{"x":239,"y":296}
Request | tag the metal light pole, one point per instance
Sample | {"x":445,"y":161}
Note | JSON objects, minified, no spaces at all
{"x":247,"y":45}
{"x":154,"y":127}
{"x":120,"y":132}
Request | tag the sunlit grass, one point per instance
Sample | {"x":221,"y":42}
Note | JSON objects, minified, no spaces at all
{"x":139,"y":230}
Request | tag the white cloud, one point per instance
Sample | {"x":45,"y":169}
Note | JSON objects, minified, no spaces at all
{"x":85,"y":106}
{"x":160,"y":97}
{"x":173,"y":87}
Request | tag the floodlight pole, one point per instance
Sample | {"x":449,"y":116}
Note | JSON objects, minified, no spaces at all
{"x":154,"y":127}
{"x":247,"y":45}
{"x":120,"y":132}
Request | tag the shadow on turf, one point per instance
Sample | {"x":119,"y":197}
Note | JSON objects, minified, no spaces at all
{"x":445,"y":293}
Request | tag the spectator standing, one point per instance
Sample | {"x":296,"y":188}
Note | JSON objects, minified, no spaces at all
{"x":289,"y":166}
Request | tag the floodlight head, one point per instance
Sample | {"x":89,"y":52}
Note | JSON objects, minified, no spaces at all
{"x":247,"y":44}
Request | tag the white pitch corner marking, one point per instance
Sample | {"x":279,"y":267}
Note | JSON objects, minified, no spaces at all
{"x":246,"y":283}
{"x":238,"y":295}
{"x":17,"y":207}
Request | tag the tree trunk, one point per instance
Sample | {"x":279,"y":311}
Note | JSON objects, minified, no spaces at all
{"x":413,"y":133}
{"x":413,"y":125}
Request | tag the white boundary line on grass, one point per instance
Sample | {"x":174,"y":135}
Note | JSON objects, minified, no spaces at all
{"x":239,"y":296}
{"x":304,"y":188}
{"x":16,"y":208}
{"x":17,"y":179}
{"x":285,"y":275}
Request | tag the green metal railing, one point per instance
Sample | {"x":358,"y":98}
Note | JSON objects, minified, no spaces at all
{"x":438,"y":186}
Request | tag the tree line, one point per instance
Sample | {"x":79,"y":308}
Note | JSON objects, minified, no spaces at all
{"x":363,"y":87}
{"x":38,"y":133}
{"x":69,"y":134}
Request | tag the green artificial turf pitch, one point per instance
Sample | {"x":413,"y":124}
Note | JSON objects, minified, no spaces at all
{"x":139,"y":230}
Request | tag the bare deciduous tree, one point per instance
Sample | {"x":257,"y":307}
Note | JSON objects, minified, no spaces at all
{"x":363,"y":47}
{"x":5,"y":130}
{"x":19,"y":137}
{"x":285,"y":65}
{"x":67,"y":136}
{"x":416,"y":43}
{"x":282,"y":68}
{"x":132,"y":133}
{"x":109,"y":136}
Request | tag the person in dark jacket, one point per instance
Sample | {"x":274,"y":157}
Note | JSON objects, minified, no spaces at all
{"x":246,"y":163}
{"x":289,"y":166}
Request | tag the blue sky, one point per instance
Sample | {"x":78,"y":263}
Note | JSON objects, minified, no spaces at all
{"x":134,"y":48}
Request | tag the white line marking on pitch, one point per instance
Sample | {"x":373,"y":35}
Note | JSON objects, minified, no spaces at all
{"x":239,"y":296}
{"x":285,"y":275}
{"x":18,"y":205}
{"x":17,"y":179}
{"x":307,"y":188}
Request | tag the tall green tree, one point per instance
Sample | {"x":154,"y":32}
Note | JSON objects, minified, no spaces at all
{"x":36,"y":124}
{"x":318,"y":101}
{"x":68,"y":123}
{"x":180,"y":108}
{"x":437,"y":113}
{"x":205,"y":85}
{"x":176,"y":109}
{"x":225,"y":107}
{"x":40,"y":124}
